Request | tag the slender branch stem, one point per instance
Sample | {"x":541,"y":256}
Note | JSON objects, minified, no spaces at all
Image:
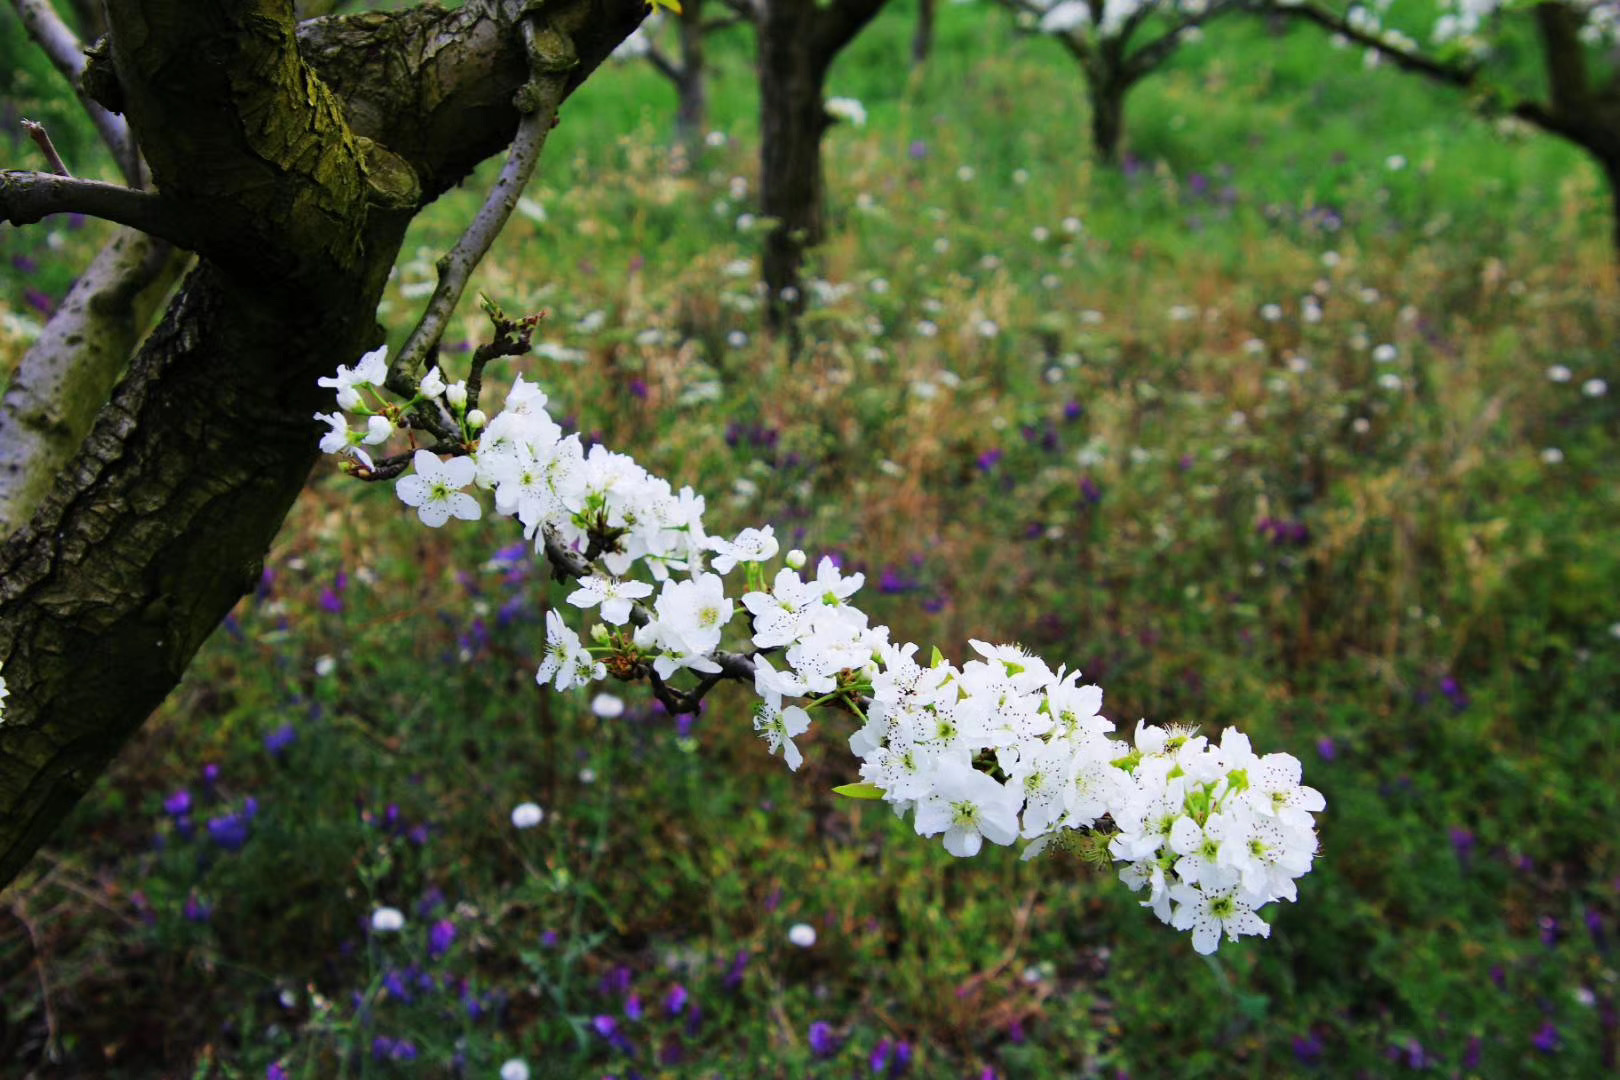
{"x":456,"y":267}
{"x":42,"y":139}
{"x":664,"y":65}
{"x":26,"y":197}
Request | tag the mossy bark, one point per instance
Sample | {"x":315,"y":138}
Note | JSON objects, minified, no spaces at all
{"x":307,"y":151}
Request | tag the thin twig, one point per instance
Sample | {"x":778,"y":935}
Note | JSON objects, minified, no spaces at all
{"x":541,"y":96}
{"x":44,"y":979}
{"x":42,"y":139}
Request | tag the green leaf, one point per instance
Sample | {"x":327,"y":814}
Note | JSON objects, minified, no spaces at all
{"x":859,"y":791}
{"x":937,"y":659}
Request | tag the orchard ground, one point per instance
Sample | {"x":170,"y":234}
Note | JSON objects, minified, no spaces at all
{"x":1092,"y":412}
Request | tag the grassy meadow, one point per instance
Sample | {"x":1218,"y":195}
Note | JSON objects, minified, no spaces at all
{"x":1288,"y":423}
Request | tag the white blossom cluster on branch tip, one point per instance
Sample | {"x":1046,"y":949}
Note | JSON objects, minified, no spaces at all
{"x":1081,"y":16}
{"x":1000,"y":748}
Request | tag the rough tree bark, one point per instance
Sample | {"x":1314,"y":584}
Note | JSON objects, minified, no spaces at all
{"x":798,"y":42}
{"x":306,"y":151}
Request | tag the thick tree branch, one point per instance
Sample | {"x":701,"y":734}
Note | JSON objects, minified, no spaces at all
{"x":67,"y":374}
{"x":66,"y":54}
{"x":838,"y":23}
{"x":1150,"y":57}
{"x":264,"y":161}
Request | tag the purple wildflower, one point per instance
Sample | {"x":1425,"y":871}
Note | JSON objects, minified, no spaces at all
{"x":823,"y":1043}
{"x":276,"y":743}
{"x":178,"y":804}
{"x":39,"y":301}
{"x":230,"y":832}
{"x":879,"y":1061}
{"x":675,"y":1000}
{"x":1462,"y":842}
{"x":1326,"y":748}
{"x":734,"y":977}
{"x":1547,"y":1039}
{"x":1594,"y":926}
{"x":441,"y":937}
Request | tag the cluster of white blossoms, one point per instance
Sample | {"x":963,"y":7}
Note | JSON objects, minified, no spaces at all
{"x":1069,"y":16}
{"x":998,"y":749}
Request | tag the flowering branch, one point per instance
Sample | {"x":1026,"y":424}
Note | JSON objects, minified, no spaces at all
{"x":997,"y":749}
{"x":1405,"y":54}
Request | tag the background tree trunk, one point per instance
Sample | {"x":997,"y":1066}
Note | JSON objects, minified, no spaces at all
{"x":692,"y":106}
{"x":922,"y":40}
{"x":1107,"y":93}
{"x":163,"y":519}
{"x":792,"y":120}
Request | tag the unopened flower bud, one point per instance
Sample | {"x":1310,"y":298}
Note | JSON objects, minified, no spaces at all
{"x":378,"y":428}
{"x":795,"y":559}
{"x":476,"y":419}
{"x":456,"y":395}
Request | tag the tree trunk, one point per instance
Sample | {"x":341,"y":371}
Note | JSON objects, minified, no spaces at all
{"x":162,"y":520}
{"x":692,"y":106}
{"x":922,"y":40}
{"x":792,"y":121}
{"x":1107,"y":114}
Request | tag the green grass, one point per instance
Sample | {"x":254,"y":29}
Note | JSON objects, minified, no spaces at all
{"x":1439,"y":651}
